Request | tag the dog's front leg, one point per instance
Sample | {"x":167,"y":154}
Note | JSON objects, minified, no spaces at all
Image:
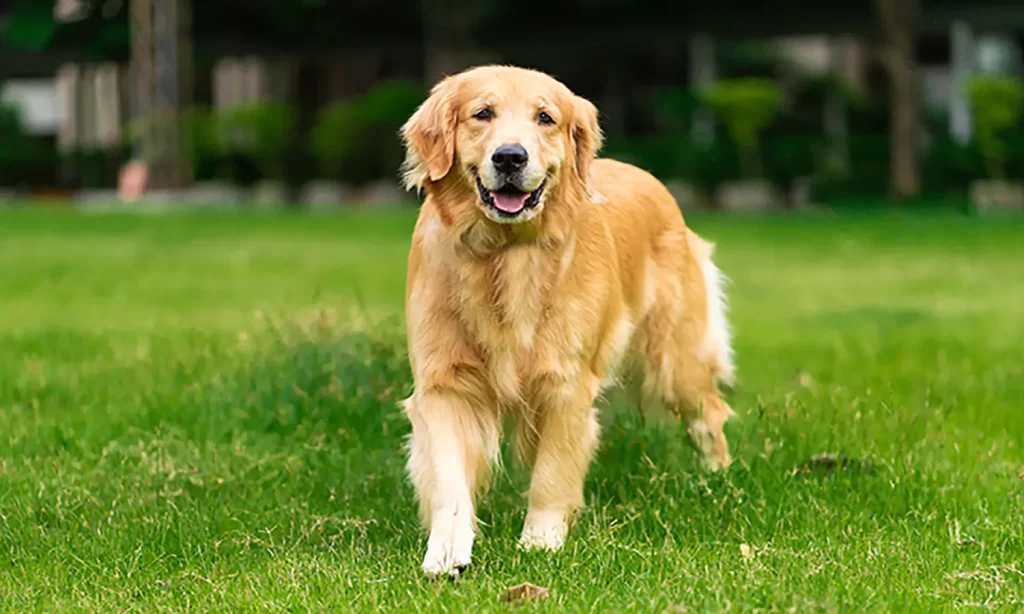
{"x":567,"y":431}
{"x":450,"y":450}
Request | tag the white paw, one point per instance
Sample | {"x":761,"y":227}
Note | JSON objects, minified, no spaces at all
{"x":544,"y":530}
{"x":450,"y":546}
{"x":704,"y":440}
{"x":700,"y":435}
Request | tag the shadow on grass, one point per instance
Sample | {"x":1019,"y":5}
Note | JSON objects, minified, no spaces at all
{"x":331,"y":402}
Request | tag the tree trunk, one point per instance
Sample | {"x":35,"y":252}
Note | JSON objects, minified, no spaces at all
{"x":899,"y":19}
{"x":834,"y":119}
{"x":162,"y":69}
{"x":703,"y":69}
{"x":905,"y":133}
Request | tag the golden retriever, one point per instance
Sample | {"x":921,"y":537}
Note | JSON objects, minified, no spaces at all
{"x":535,"y":272}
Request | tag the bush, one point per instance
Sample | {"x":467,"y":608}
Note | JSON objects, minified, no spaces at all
{"x":207,"y":150}
{"x":672,"y":157}
{"x":752,"y":59}
{"x":662,"y":156}
{"x":13,"y":142}
{"x":261,"y":132}
{"x":868,"y":175}
{"x":996,"y":104}
{"x":794,"y":156}
{"x":25,"y":161}
{"x":746,"y":107}
{"x":357,"y":140}
{"x":94,"y":167}
{"x":707,"y":166}
{"x":675,"y":108}
{"x":949,"y":166}
{"x":201,"y":127}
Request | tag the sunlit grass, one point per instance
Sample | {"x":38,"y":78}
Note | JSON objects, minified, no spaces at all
{"x":199,"y":413}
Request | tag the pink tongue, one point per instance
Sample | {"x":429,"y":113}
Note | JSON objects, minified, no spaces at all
{"x":509,"y":203}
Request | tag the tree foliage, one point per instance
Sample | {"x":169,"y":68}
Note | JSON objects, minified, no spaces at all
{"x":996,"y":105}
{"x":261,"y":131}
{"x":354,"y":139}
{"x":746,"y":107}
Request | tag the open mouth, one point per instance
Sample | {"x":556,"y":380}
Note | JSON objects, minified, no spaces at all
{"x":509,"y":201}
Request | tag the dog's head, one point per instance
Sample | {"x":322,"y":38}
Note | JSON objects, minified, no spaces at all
{"x":515,"y":139}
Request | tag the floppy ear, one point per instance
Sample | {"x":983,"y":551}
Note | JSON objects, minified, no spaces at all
{"x":429,"y":137}
{"x":587,"y":140}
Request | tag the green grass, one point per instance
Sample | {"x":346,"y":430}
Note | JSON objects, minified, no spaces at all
{"x":199,"y":413}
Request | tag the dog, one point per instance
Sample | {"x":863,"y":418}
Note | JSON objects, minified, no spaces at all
{"x":539,"y":275}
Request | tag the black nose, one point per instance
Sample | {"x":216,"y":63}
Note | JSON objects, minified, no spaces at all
{"x":510,"y":158}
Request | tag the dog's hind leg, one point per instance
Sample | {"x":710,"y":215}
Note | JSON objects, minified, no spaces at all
{"x":704,"y":422}
{"x":687,"y":388}
{"x":684,"y":343}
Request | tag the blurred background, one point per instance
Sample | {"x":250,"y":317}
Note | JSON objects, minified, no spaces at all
{"x":737,"y":105}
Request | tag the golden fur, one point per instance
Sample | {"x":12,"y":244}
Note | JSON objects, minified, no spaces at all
{"x":531,"y":319}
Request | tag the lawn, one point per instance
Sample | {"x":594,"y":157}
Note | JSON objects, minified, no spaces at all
{"x":198,"y":412}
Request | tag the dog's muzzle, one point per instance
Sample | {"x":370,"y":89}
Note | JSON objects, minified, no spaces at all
{"x":509,"y":201}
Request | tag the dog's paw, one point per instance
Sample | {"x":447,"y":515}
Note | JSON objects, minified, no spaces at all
{"x":449,"y":549}
{"x":444,"y":563}
{"x":712,"y":447}
{"x":716,"y":462}
{"x":544,"y":530}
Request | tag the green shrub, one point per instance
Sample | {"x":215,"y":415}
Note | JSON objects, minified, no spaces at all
{"x":13,"y":142}
{"x":746,"y":107}
{"x":201,"y":128}
{"x":794,"y":156}
{"x":663,"y":156}
{"x":751,"y":59}
{"x":949,"y":166}
{"x":12,"y":126}
{"x":204,"y":137}
{"x":25,"y":160}
{"x":996,"y":105}
{"x":262,"y":132}
{"x":357,"y":140}
{"x":12,"y":129}
{"x":675,"y":108}
{"x":868,"y":175}
{"x":711,"y":164}
{"x":671,"y":157}
{"x":94,"y":167}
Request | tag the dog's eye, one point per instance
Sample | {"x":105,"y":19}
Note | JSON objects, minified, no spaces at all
{"x":484,"y":114}
{"x":544,"y":119}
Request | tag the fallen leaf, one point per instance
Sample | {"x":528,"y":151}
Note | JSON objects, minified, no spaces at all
{"x":747,"y":552}
{"x":827,"y":463}
{"x":521,"y":593}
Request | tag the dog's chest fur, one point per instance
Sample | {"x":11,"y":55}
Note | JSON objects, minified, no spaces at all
{"x":506,"y":305}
